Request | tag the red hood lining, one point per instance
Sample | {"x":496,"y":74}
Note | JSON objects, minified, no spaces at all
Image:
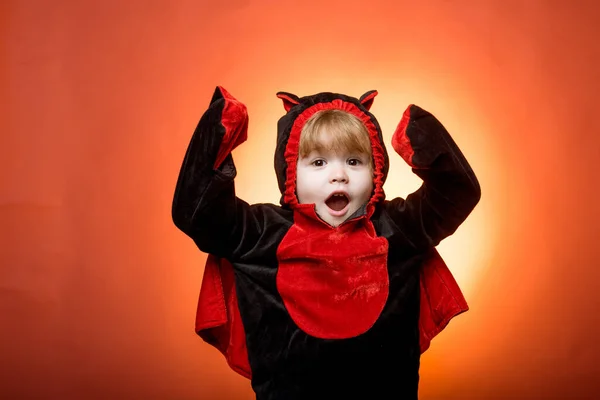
{"x":291,"y":150}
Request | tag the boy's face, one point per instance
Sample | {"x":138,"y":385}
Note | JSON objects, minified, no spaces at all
{"x":338,"y":183}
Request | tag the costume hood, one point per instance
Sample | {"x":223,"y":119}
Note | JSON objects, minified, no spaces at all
{"x":298,"y":111}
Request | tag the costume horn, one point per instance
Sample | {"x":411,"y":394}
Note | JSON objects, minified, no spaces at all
{"x":289,"y":100}
{"x":367,"y":99}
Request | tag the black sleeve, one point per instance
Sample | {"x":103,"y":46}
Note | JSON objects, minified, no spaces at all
{"x":450,"y":189}
{"x":205,"y":206}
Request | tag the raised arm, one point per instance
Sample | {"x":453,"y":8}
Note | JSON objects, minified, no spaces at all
{"x":450,"y":190}
{"x":204,"y":205}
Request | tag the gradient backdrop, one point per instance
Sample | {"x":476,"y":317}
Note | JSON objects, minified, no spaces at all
{"x":98,"y":289}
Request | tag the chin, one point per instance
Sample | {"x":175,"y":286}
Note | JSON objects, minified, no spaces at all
{"x":335,"y":222}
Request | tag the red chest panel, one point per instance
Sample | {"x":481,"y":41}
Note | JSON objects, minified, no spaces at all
{"x":333,"y":281}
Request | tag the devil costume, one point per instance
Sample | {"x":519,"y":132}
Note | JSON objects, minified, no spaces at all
{"x":307,"y":310}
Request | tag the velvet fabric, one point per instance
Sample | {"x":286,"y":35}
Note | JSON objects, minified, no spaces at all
{"x":333,"y":282}
{"x":297,"y":305}
{"x":400,"y":141}
{"x":234,"y":119}
{"x":218,"y":319}
{"x":441,"y":299}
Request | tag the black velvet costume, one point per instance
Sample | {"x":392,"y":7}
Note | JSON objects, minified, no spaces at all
{"x":311,"y":311}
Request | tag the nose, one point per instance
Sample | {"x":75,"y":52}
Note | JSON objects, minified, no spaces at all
{"x":338,"y":174}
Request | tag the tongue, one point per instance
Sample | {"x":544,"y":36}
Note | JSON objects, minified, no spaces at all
{"x":337,"y":203}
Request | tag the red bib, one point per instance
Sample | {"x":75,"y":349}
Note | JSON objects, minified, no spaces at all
{"x":333,"y":281}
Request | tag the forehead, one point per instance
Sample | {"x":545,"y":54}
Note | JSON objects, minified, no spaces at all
{"x":323,"y":139}
{"x":328,"y":140}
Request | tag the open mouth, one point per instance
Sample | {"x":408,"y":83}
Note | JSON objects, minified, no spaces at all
{"x":337,"y":201}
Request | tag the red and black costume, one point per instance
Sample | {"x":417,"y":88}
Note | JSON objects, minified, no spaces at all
{"x":311,"y":311}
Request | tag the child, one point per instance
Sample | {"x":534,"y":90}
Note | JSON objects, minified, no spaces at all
{"x":337,"y":292}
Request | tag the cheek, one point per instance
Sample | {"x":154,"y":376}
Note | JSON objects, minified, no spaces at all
{"x":366,"y":184}
{"x":303,"y":187}
{"x":300,"y":192}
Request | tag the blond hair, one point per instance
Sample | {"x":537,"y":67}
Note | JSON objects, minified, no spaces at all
{"x":345,"y":132}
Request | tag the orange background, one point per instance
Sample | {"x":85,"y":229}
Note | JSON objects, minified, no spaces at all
{"x":98,"y":289}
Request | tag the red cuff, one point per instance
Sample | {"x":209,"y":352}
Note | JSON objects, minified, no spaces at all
{"x":235,"y":121}
{"x":400,"y":141}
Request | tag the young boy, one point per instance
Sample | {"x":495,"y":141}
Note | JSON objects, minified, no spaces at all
{"x":338,"y":290}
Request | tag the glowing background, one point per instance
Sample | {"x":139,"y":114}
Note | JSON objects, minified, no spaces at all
{"x":98,"y":101}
